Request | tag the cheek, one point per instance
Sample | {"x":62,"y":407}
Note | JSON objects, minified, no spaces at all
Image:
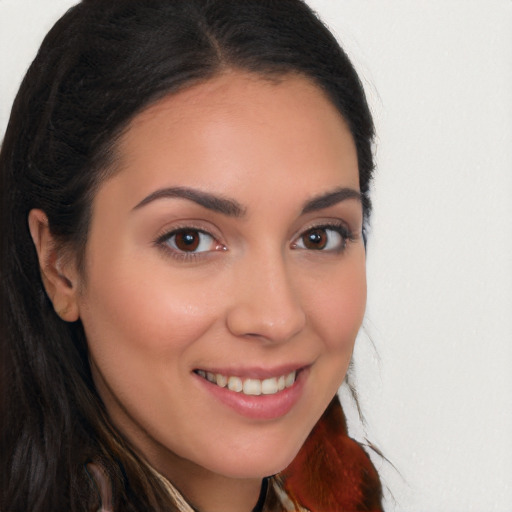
{"x":141,"y":326}
{"x":337,"y":310}
{"x":143,"y":308}
{"x":142,"y":334}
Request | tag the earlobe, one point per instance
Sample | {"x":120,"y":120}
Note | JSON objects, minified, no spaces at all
{"x":58,"y":273}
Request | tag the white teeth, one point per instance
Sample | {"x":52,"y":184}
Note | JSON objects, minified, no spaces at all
{"x":235,"y":384}
{"x":269,"y":386}
{"x":289,"y":379}
{"x":222,"y":380}
{"x":252,"y":387}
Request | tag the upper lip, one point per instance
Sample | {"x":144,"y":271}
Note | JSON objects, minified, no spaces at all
{"x":255,"y":372}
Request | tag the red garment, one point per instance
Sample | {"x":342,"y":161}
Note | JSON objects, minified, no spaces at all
{"x":332,"y":472}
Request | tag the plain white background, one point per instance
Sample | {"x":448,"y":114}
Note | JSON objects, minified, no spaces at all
{"x":436,"y":382}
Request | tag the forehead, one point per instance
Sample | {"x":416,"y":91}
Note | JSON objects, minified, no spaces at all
{"x":239,"y":127}
{"x":238,"y":91}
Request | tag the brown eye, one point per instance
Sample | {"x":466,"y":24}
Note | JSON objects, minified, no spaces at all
{"x":187,"y":240}
{"x":315,"y":239}
{"x":324,"y":238}
{"x":190,"y":240}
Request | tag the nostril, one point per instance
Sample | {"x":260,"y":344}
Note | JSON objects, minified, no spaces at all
{"x":262,"y":323}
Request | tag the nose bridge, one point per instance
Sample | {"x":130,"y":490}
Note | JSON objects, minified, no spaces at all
{"x":266,"y":303}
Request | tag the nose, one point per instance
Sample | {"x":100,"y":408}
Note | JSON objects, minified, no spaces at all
{"x":265,"y":303}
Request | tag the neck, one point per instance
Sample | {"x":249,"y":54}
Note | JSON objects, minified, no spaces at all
{"x":221,"y":494}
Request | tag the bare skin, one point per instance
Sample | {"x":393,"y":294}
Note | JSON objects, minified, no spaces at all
{"x":228,"y":242}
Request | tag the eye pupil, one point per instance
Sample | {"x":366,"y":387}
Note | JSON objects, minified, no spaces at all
{"x":187,"y":240}
{"x":315,"y":239}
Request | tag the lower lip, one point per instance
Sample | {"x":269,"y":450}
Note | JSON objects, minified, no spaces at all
{"x":259,"y":407}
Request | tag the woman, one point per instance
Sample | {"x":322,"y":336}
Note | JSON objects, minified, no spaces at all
{"x":184,"y":193}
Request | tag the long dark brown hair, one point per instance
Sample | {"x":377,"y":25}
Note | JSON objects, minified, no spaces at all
{"x":102,"y":63}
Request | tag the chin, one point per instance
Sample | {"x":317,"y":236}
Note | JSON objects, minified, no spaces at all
{"x":255,"y":463}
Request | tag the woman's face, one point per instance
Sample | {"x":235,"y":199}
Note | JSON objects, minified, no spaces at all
{"x":227,"y":247}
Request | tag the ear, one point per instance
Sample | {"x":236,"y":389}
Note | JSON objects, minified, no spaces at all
{"x":58,"y":272}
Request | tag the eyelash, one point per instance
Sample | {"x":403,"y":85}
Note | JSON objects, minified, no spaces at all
{"x":339,"y":228}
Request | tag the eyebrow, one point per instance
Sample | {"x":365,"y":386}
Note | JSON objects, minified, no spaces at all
{"x":330,"y":199}
{"x":228,"y":207}
{"x":233,"y":208}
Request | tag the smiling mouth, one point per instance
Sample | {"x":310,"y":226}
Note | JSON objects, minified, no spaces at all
{"x":251,"y":387}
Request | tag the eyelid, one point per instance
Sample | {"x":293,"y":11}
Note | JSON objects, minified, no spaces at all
{"x":188,"y":225}
{"x":326,"y":223}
